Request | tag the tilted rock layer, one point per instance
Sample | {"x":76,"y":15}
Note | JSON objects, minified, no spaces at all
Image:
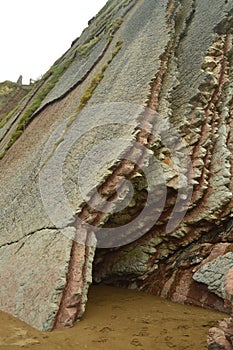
{"x":10,"y":95}
{"x":176,"y":59}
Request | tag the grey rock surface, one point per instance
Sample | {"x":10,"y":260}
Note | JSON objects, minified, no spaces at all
{"x":33,"y":275}
{"x":213,"y":274}
{"x":174,"y":58}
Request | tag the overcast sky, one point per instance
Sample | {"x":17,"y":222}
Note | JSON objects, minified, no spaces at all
{"x":35,"y":33}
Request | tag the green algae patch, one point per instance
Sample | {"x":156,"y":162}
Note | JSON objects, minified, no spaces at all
{"x":52,"y":77}
{"x":96,"y":80}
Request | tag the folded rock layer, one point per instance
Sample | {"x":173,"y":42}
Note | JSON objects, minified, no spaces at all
{"x":144,"y":97}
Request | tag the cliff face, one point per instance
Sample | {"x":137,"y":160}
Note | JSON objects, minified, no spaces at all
{"x":10,"y":95}
{"x":144,"y":95}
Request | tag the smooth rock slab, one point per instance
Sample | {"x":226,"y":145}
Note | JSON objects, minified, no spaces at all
{"x":33,"y":276}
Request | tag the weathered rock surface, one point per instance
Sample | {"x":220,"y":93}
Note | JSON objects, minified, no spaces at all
{"x":10,"y":95}
{"x":213,"y":274}
{"x":221,"y":337}
{"x":174,"y":58}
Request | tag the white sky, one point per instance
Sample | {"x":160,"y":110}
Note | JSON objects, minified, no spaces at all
{"x":35,"y":33}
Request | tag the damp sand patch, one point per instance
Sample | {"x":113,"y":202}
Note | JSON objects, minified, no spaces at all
{"x":118,"y":319}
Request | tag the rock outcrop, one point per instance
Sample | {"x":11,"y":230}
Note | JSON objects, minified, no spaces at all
{"x":10,"y":95}
{"x":118,"y":166}
{"x":221,"y":337}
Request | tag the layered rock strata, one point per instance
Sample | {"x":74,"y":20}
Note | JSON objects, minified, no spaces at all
{"x":155,"y":78}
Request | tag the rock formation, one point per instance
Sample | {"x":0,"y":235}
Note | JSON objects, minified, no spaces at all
{"x":117,"y":167}
{"x":10,"y":95}
{"x":20,"y":80}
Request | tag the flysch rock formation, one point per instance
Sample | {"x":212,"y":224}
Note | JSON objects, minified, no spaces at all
{"x":146,"y":93}
{"x":10,"y":95}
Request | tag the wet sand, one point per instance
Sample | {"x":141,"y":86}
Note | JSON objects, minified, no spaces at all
{"x":118,"y":319}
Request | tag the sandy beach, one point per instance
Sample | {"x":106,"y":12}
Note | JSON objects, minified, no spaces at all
{"x":118,"y":319}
